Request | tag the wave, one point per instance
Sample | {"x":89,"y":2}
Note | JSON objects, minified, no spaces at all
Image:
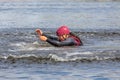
{"x":63,"y":57}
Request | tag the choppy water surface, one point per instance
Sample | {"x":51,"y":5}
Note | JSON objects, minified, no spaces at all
{"x":24,"y":57}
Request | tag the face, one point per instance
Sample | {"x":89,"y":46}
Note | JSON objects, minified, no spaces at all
{"x":63,"y":37}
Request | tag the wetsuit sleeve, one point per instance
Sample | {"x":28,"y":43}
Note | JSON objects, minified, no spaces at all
{"x":67,"y":42}
{"x":51,"y":37}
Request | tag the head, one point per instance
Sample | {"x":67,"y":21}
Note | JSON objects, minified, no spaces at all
{"x":63,"y":32}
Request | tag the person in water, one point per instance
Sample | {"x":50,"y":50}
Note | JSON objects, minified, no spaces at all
{"x":64,"y":37}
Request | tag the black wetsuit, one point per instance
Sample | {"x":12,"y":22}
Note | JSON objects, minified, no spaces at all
{"x":56,"y":42}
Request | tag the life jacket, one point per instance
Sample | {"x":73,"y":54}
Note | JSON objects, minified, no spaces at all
{"x":77,"y":39}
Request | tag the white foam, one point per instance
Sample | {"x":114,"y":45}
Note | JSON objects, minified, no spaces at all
{"x":17,"y":56}
{"x":22,"y":46}
{"x":78,"y":53}
{"x":68,"y":56}
{"x":56,"y":58}
{"x":18,"y":44}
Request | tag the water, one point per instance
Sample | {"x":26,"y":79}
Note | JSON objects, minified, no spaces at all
{"x":54,"y":14}
{"x":24,"y":57}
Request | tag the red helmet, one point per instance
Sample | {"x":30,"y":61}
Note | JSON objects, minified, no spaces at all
{"x":62,"y":31}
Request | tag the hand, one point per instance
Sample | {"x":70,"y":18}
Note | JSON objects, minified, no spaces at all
{"x":43,"y":38}
{"x":39,"y":32}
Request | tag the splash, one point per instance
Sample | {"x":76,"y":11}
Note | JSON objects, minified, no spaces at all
{"x":23,"y":46}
